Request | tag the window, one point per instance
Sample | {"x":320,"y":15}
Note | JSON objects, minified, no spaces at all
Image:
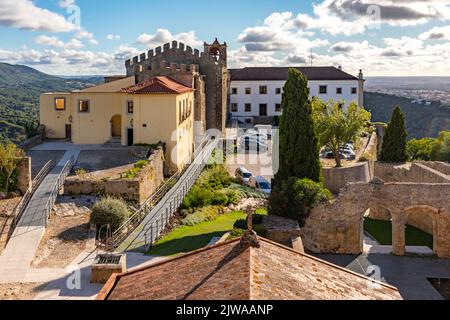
{"x":354,"y":90}
{"x":83,"y":106}
{"x":248,"y":90}
{"x":248,"y":107}
{"x":338,"y":90}
{"x":262,"y":89}
{"x":234,"y":91}
{"x":278,"y":91}
{"x":323,"y":89}
{"x":278,"y":107}
{"x":130,"y":107}
{"x":234,"y":107}
{"x":60,"y":104}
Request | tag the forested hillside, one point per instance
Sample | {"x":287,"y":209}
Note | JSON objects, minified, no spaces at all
{"x":20,"y":87}
{"x":421,"y":120}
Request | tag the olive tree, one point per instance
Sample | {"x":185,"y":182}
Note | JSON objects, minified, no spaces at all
{"x":10,"y":156}
{"x":337,"y":125}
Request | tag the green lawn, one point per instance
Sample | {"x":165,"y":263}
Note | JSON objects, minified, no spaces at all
{"x":188,"y":238}
{"x":382,"y":231}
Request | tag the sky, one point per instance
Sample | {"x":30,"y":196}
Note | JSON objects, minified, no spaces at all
{"x":95,"y":37}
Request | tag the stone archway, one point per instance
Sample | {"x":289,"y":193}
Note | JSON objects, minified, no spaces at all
{"x":116,"y":126}
{"x":424,"y":218}
{"x":377,"y":220}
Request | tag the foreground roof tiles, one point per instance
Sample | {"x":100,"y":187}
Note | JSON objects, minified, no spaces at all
{"x":233,"y":271}
{"x":281,"y":73}
{"x":158,"y":85}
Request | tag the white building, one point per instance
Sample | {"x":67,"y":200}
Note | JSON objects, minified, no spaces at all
{"x":255,"y":93}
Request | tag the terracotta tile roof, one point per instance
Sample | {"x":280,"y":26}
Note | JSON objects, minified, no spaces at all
{"x":230,"y":271}
{"x":281,"y":73}
{"x":158,"y":85}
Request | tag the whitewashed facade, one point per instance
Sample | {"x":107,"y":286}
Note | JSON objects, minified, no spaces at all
{"x":254,"y":99}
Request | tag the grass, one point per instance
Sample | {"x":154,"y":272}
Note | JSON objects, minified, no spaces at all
{"x":189,"y":238}
{"x":382,"y":232}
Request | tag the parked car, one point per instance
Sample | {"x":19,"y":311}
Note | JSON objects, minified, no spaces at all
{"x":348,"y":152}
{"x":260,"y":183}
{"x":330,"y":155}
{"x":265,"y":129}
{"x":243,"y":175}
{"x":252,"y":133}
{"x":253,"y":144}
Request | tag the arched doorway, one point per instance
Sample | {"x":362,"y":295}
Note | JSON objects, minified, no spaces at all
{"x":116,"y":126}
{"x":378,"y":233}
{"x":420,"y":227}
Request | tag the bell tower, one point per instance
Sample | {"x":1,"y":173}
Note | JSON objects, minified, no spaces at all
{"x":217,"y":51}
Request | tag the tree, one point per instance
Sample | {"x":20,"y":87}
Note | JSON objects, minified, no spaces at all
{"x":299,"y":149}
{"x":295,"y":198}
{"x":298,"y":141}
{"x":336,"y":125}
{"x":394,"y":142}
{"x":10,"y":155}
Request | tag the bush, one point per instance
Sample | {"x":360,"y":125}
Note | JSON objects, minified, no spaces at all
{"x":197,"y":198}
{"x":294,"y":198}
{"x":209,"y":213}
{"x":236,"y":233}
{"x":13,"y":181}
{"x":134,"y":172}
{"x":366,"y":157}
{"x":109,"y":211}
{"x":242,"y":192}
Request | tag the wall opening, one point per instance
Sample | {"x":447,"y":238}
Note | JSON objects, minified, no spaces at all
{"x":420,"y":228}
{"x":378,"y":228}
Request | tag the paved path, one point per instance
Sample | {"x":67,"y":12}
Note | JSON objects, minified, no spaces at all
{"x":21,"y":249}
{"x":408,"y":274}
{"x":372,"y":246}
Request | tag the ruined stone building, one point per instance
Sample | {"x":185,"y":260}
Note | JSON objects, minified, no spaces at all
{"x":206,"y":72}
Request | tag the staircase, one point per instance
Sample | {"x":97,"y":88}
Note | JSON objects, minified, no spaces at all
{"x":114,"y":143}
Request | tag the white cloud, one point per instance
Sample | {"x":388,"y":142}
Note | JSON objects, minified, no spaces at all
{"x":163,"y":36}
{"x":436,"y":33}
{"x":83,"y":34}
{"x":55,"y":42}
{"x":24,"y":14}
{"x":113,"y":37}
{"x":66,"y":3}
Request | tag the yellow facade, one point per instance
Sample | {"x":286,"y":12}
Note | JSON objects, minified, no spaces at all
{"x":167,"y":118}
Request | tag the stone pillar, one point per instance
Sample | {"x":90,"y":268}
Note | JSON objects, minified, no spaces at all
{"x":25,"y":180}
{"x":398,"y":234}
{"x":361,"y":89}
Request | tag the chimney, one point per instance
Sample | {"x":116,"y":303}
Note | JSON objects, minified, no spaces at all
{"x":250,"y":238}
{"x":361,"y":89}
{"x":360,"y":75}
{"x":340,"y":67}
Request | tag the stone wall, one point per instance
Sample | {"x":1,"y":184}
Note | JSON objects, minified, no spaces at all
{"x":442,"y":167}
{"x":337,"y":226}
{"x":336,"y":178}
{"x":25,"y":180}
{"x":34,"y":141}
{"x":211,"y":65}
{"x":133,"y":190}
{"x":409,"y":172}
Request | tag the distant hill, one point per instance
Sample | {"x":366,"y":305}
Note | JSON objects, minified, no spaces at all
{"x":421,"y":121}
{"x":20,"y":88}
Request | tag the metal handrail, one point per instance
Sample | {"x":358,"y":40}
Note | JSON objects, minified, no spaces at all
{"x":20,"y":208}
{"x":55,"y":191}
{"x":136,"y":219}
{"x":154,"y":234}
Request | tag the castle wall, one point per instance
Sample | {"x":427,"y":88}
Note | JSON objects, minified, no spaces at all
{"x":176,"y":56}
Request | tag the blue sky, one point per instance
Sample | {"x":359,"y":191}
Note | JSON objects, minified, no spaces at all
{"x":382,"y":37}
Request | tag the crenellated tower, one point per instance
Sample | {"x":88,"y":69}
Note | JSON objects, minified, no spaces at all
{"x":205,"y":71}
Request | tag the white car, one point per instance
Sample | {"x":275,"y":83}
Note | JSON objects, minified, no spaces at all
{"x":243,"y":175}
{"x":264,"y":129}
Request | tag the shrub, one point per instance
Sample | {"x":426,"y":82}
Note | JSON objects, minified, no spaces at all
{"x":137,"y":168}
{"x":13,"y":181}
{"x":197,"y":198}
{"x":109,"y":211}
{"x":208,"y":213}
{"x":220,"y":199}
{"x":366,"y":157}
{"x":236,"y":233}
{"x":294,"y":198}
{"x":81,"y":173}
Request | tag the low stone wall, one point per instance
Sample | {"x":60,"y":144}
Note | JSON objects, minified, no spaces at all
{"x":442,"y":167}
{"x":133,"y":190}
{"x":34,"y":141}
{"x":24,"y":178}
{"x":408,"y":172}
{"x":336,"y":178}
